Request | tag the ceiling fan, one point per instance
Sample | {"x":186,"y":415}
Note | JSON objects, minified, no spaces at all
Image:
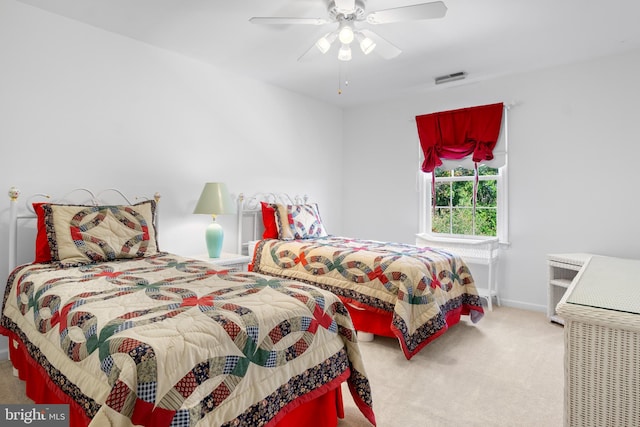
{"x":347,"y":13}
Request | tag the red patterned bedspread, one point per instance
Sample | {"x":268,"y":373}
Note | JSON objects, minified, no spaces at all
{"x":422,"y":287}
{"x":166,"y":340}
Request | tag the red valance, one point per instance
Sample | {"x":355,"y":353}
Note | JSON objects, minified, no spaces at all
{"x":459,"y":133}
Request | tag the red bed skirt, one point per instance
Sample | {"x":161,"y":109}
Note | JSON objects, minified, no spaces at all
{"x":378,"y":322}
{"x":373,"y":322}
{"x":321,"y":411}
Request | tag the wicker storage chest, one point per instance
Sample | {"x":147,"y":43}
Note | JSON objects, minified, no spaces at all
{"x":602,"y":344}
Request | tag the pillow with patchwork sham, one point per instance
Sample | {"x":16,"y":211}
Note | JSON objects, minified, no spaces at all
{"x":81,"y":234}
{"x":299,"y":221}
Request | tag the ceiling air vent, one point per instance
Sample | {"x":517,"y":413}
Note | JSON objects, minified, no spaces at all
{"x":451,"y":77}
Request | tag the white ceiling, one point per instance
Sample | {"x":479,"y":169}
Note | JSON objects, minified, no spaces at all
{"x":484,"y":38}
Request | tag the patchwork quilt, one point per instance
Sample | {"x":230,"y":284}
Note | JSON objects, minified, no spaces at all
{"x":167,"y":340}
{"x":423,"y":288}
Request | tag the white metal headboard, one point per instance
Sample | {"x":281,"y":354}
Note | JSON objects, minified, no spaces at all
{"x":76,"y":196}
{"x":250,"y":213}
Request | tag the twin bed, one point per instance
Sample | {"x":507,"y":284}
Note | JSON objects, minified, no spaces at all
{"x":126,"y":334}
{"x":390,"y":289}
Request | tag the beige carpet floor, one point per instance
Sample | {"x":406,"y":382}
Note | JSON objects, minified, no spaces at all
{"x":506,"y":370}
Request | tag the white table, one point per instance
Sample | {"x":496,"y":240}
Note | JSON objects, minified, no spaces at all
{"x":227,"y":260}
{"x":476,"y":250}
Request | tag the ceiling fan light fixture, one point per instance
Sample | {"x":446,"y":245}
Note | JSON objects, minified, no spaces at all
{"x":347,"y":14}
{"x":324,"y":43}
{"x":366,"y":44}
{"x":346,"y":34}
{"x":344,"y":54}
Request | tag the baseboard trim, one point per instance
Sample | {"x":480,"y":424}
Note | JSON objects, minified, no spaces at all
{"x":523,"y":305}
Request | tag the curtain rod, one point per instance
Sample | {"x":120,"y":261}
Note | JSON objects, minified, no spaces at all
{"x":508,"y":106}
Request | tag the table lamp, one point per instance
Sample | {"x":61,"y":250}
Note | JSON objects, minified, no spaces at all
{"x":214,"y":200}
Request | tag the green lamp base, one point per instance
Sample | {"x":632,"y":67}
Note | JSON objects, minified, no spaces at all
{"x":214,"y":237}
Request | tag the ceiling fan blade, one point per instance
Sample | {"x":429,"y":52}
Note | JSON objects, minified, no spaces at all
{"x":321,"y":46}
{"x":288,"y":21}
{"x":345,"y":6}
{"x":384,"y":48}
{"x":310,"y":54}
{"x":436,"y":9}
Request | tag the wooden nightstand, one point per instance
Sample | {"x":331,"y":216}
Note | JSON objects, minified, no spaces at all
{"x":227,"y":260}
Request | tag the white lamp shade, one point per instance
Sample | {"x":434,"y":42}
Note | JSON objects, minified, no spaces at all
{"x":346,"y":34}
{"x":215,"y":200}
{"x":324,"y":43}
{"x":344,"y":54}
{"x":367,"y":45}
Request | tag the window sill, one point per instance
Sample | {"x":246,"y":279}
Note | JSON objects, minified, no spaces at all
{"x":457,"y":239}
{"x":479,"y":248}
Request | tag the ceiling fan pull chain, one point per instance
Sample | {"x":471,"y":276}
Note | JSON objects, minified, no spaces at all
{"x":346,"y":74}
{"x":340,"y":73}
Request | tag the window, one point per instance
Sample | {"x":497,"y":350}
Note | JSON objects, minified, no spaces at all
{"x":454,"y":200}
{"x":454,"y":214}
{"x":454,"y":208}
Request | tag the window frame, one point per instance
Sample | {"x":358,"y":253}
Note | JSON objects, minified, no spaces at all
{"x":426,"y":203}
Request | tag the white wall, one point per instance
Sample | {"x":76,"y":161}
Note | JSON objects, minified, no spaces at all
{"x":573,"y":153}
{"x":81,"y":107}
